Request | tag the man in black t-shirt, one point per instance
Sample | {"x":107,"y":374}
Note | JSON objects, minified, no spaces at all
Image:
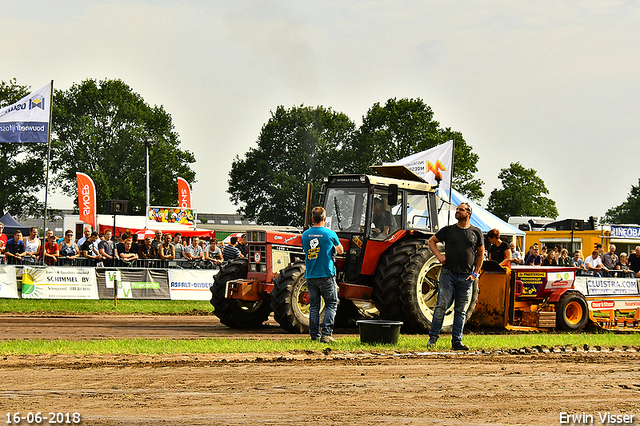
{"x":461,"y":263}
{"x":634,"y":261}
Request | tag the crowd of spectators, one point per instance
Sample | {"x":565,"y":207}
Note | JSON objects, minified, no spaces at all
{"x":94,"y":249}
{"x":598,"y":263}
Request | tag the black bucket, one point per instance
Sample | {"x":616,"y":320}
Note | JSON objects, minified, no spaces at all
{"x":379,"y":331}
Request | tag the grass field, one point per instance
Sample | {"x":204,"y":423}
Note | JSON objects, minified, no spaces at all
{"x":349,"y":343}
{"x":106,"y":307}
{"x":476,"y":340}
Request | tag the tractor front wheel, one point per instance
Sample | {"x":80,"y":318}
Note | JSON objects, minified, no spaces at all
{"x":419,"y":293}
{"x":572,"y":312}
{"x":290,"y":299}
{"x":236,"y":313}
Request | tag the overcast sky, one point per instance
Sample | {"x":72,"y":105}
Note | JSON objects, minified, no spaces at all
{"x":553,"y":85}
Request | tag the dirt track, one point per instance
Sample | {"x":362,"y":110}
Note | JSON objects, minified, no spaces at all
{"x":317,"y":387}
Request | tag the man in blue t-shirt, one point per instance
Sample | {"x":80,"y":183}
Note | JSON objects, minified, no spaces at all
{"x":320,"y":245}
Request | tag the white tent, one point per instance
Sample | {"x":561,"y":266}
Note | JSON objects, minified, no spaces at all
{"x":479,"y":217}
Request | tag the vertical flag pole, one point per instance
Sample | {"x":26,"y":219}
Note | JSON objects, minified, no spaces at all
{"x":453,"y":154}
{"x":46,"y":184}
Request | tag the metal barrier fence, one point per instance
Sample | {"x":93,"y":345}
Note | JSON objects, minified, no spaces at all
{"x":115,"y":263}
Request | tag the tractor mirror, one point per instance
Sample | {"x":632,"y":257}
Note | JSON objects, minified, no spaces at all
{"x":392,"y":199}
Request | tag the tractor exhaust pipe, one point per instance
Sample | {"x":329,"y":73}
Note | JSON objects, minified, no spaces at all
{"x":307,"y":208}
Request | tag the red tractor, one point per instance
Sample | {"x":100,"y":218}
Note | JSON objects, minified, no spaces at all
{"x":392,"y":268}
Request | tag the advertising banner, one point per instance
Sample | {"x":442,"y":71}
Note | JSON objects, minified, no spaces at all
{"x":8,"y":283}
{"x":59,"y":283}
{"x":615,"y":304}
{"x":184,"y":194}
{"x":611,"y":286}
{"x":28,"y":119}
{"x":427,"y":164}
{"x":134,"y":284}
{"x":191,"y":284}
{"x":171,"y":215}
{"x":625,"y":231}
{"x":86,"y":199}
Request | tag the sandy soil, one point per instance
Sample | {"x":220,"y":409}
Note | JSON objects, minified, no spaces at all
{"x":314,"y":387}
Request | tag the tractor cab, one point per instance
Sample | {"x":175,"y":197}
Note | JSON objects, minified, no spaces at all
{"x":371,"y":213}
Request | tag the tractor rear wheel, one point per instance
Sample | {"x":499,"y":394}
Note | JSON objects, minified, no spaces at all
{"x":572,"y":312}
{"x":290,"y":299}
{"x":419,"y":293}
{"x":388,"y":278}
{"x":236,"y":313}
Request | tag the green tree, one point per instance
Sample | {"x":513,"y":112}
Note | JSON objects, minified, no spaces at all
{"x":628,"y":212}
{"x":522,"y":195}
{"x":22,"y":168}
{"x":295,"y":147}
{"x":404,"y":127}
{"x":100,"y":129}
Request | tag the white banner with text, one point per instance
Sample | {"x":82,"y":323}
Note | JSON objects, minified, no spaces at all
{"x":8,"y":283}
{"x":191,"y":284}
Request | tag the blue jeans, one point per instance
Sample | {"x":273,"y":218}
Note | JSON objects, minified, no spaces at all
{"x":453,"y":286}
{"x":327,"y":288}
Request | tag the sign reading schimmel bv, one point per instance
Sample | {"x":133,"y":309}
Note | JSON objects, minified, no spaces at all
{"x":59,"y":283}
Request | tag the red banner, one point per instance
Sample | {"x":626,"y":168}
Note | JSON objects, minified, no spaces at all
{"x":184,"y":194}
{"x":86,"y":199}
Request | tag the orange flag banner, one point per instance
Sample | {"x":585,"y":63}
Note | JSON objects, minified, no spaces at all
{"x":86,"y":199}
{"x":184,"y":194}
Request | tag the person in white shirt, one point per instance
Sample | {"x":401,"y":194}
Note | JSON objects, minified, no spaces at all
{"x":516,"y":256}
{"x":594,"y":263}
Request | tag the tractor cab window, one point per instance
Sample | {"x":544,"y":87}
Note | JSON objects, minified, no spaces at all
{"x":385,"y":218}
{"x":419,"y":207}
{"x":346,"y":209}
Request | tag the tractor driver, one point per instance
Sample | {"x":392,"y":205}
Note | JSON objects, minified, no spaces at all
{"x":381,"y":219}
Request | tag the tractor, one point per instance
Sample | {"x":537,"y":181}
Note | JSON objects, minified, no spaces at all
{"x":388,"y":272}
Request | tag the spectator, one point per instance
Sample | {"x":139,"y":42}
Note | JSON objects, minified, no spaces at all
{"x":126,"y":253}
{"x":87,"y":234}
{"x":134,"y":243}
{"x":230,"y":251}
{"x":499,"y":250}
{"x":594,"y":263}
{"x":166,"y":250}
{"x":194,"y":252}
{"x":212,"y":253}
{"x":107,"y":248}
{"x":609,"y":259}
{"x":634,"y":261}
{"x":623,"y":262}
{"x":534,"y":259}
{"x":32,"y":246}
{"x":68,"y":249}
{"x":544,"y":251}
{"x":157,"y":241}
{"x":577,"y":261}
{"x":564,"y":260}
{"x":550,"y":259}
{"x":146,"y":250}
{"x":177,"y":245}
{"x":15,"y":251}
{"x":600,"y":249}
{"x":47,"y":234}
{"x":88,"y":248}
{"x":3,"y":238}
{"x":51,"y":251}
{"x":242,"y":246}
{"x":516,"y":256}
